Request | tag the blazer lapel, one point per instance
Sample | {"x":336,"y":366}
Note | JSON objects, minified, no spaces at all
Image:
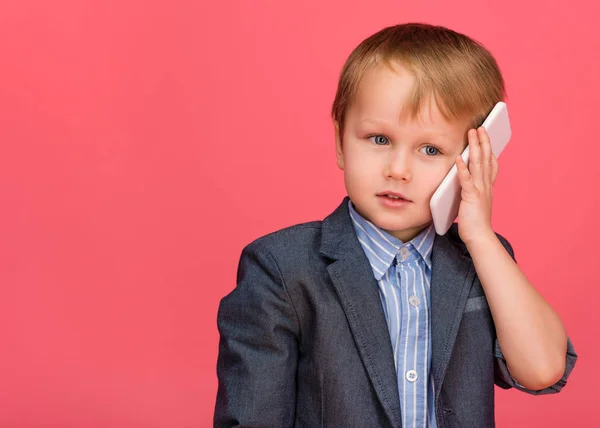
{"x":358,"y":291}
{"x":451,"y":279}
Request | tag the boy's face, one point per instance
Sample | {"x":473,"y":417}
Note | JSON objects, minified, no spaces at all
{"x":382,"y":151}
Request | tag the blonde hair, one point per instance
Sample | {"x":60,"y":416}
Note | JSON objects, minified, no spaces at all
{"x":459,"y":73}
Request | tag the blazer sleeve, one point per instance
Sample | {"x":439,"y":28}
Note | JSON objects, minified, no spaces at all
{"x":258,"y":347}
{"x":502,"y":376}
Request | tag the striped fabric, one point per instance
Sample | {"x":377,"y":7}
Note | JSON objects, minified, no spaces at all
{"x":403,"y":272}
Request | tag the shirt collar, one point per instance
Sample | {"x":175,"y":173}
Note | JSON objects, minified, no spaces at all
{"x":381,"y":247}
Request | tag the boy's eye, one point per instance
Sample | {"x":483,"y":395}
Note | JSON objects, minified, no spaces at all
{"x":431,"y":151}
{"x":380,"y":140}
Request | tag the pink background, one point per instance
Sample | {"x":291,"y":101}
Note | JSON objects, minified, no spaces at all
{"x":145,"y":143}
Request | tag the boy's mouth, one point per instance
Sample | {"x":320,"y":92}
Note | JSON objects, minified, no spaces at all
{"x":394,"y":196}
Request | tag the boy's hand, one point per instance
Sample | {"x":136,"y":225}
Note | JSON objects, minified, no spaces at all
{"x":475,"y":211}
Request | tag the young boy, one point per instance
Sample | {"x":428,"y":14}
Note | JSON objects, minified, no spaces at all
{"x":368,"y":318}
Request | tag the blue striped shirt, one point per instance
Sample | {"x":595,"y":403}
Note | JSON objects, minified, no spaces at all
{"x":403,"y":272}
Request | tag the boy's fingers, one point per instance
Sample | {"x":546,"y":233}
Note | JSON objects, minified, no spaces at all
{"x":466,"y":180}
{"x":487,"y":157}
{"x":494,"y":169}
{"x":475,"y":158}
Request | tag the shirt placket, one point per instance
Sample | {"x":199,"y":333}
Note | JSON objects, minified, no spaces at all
{"x":411,"y":370}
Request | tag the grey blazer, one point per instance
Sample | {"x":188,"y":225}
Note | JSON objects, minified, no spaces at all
{"x":304,"y":340}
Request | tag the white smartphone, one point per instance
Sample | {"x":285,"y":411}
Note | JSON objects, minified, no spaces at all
{"x":445,"y":201}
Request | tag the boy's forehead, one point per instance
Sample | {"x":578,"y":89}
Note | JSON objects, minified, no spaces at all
{"x":390,"y":111}
{"x":383,"y":94}
{"x":383,"y":98}
{"x":381,"y":84}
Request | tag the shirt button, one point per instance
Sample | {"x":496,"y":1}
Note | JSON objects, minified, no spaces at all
{"x":411,"y":376}
{"x":414,"y":300}
{"x":404,"y":253}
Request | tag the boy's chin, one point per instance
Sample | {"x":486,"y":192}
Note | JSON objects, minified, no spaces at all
{"x":395,"y":223}
{"x":399,"y":227}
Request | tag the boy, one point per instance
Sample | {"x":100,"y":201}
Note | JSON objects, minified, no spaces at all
{"x":368,"y":318}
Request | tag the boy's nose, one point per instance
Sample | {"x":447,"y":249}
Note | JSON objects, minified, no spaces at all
{"x":398,"y":168}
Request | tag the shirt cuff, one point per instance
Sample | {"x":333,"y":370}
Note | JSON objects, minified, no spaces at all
{"x":504,"y":379}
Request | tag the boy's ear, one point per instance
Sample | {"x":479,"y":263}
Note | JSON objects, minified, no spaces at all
{"x":339,"y":153}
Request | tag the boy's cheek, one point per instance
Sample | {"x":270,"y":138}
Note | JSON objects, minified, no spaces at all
{"x":361,"y":174}
{"x":432,"y":186}
{"x":438,"y":174}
